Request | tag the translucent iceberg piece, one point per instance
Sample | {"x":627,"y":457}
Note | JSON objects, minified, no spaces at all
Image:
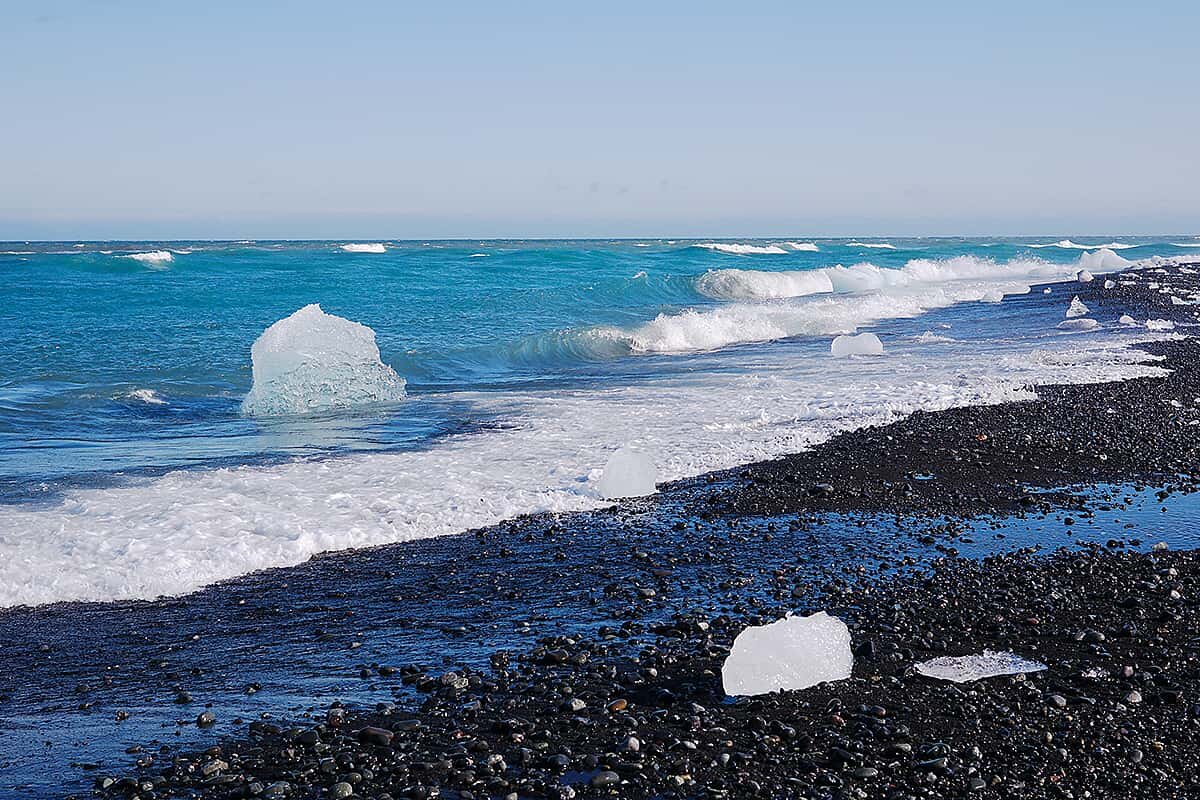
{"x":865,"y":344}
{"x":1102,"y":260}
{"x":1079,"y":325}
{"x":989,"y":664}
{"x":628,"y":473}
{"x":792,"y":653}
{"x":1077,"y":308}
{"x":313,"y":361}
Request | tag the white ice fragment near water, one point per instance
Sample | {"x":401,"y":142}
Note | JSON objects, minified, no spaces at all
{"x":791,"y":653}
{"x":1102,"y":260}
{"x":1084,"y":276}
{"x":993,"y":296}
{"x":628,"y":473}
{"x":1160,"y":325}
{"x":1179,"y":301}
{"x":989,"y":664}
{"x":1077,"y":308}
{"x":313,"y":361}
{"x":371,"y":247}
{"x":1125,"y":319}
{"x":865,"y":344}
{"x":1082,"y":324}
{"x":1110,"y":284}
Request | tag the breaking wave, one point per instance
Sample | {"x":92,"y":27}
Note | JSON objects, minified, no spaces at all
{"x":1067,"y":244}
{"x":156,"y":258}
{"x":743,"y":249}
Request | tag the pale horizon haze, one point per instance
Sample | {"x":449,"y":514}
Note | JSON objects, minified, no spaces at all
{"x":137,"y":120}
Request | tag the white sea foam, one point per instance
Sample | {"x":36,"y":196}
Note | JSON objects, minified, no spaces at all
{"x":1185,"y":244}
{"x":313,"y":361}
{"x":840,"y":299}
{"x":174,"y":533}
{"x":156,"y":258}
{"x":743,"y":249}
{"x":802,"y":247}
{"x":372,"y":247}
{"x":1067,"y":244}
{"x":752,"y":284}
{"x":147,"y":396}
{"x":478,"y":255}
{"x":872,"y":245}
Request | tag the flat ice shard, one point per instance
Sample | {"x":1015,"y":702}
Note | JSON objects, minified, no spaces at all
{"x":989,"y":664}
{"x":865,"y":344}
{"x":628,"y":473}
{"x":791,"y":653}
{"x":313,"y":361}
{"x":1079,"y":324}
{"x":1077,"y":308}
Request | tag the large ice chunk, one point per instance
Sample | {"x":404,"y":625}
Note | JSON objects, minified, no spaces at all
{"x":865,"y":344}
{"x":1077,"y":308}
{"x":313,"y":361}
{"x":628,"y":473}
{"x":1102,"y":260}
{"x":792,"y":653}
{"x":989,"y":664}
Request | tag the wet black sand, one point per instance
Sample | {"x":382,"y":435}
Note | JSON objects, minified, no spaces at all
{"x":640,"y":604}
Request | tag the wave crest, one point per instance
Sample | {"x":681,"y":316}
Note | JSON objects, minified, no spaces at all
{"x":743,"y":249}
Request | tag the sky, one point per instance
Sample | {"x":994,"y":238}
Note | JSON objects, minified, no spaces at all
{"x":151,"y":120}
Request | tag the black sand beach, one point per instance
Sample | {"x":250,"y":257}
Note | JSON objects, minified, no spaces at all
{"x":581,"y":655}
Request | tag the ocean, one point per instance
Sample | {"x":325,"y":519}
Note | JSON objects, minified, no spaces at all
{"x":145,"y":452}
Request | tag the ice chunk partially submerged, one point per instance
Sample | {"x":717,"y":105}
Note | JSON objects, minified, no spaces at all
{"x":628,"y":473}
{"x":1079,"y":324}
{"x":989,"y":664}
{"x":1077,"y":308}
{"x":865,"y":344}
{"x":792,"y":653}
{"x":1084,"y":276}
{"x":313,"y":361}
{"x":1127,"y":320}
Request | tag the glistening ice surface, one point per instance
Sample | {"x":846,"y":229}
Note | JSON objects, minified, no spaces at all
{"x":129,"y":469}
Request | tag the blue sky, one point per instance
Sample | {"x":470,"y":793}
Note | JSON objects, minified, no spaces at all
{"x":393,"y":119}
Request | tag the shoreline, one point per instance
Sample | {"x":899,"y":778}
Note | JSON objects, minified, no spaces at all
{"x":704,"y":543}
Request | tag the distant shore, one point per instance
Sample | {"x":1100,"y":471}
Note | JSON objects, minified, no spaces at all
{"x":580,"y":655}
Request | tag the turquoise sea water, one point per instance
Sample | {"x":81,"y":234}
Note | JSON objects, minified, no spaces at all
{"x":121,"y":362}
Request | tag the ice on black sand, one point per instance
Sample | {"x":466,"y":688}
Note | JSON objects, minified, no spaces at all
{"x":988,"y":664}
{"x":791,"y":653}
{"x":628,"y":473}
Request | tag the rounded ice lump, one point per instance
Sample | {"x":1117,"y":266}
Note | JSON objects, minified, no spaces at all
{"x":791,"y":653}
{"x":313,"y":361}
